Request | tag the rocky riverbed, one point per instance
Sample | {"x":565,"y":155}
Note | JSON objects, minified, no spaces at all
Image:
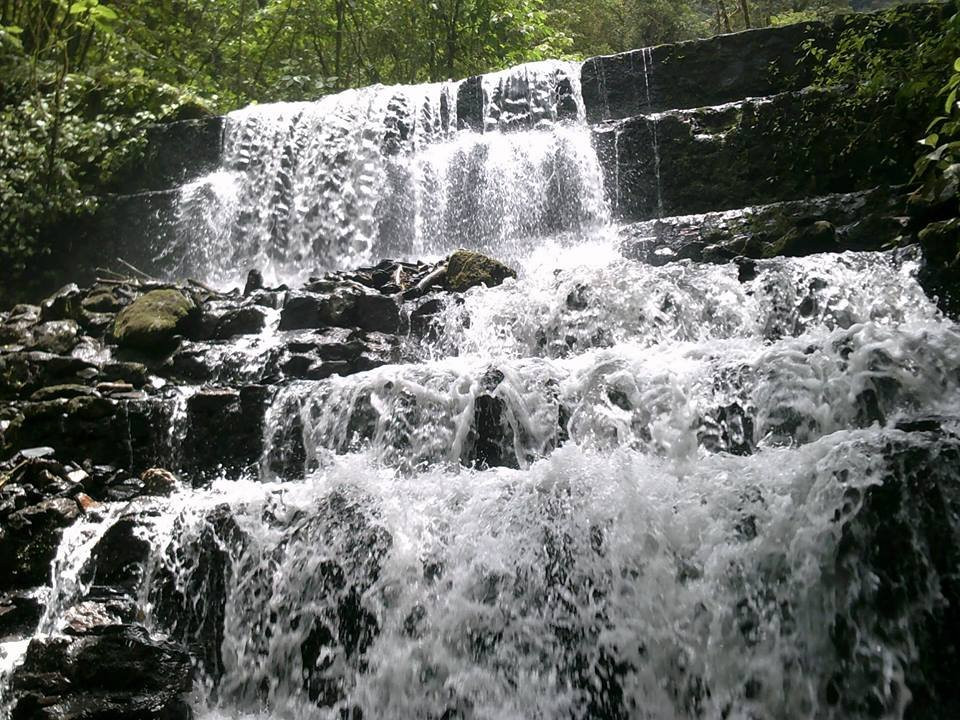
{"x":99,"y":386}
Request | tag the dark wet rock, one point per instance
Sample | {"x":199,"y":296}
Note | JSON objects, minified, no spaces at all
{"x":728,"y":429}
{"x":337,"y":305}
{"x":425,"y":319}
{"x":121,"y":672}
{"x":747,"y":64}
{"x":24,"y":313}
{"x":904,"y":535}
{"x":388,"y":277}
{"x":96,"y":325}
{"x":104,"y":608}
{"x":345,"y":629}
{"x":23,"y":373}
{"x":62,"y":305}
{"x":490,"y":441}
{"x":118,"y":390}
{"x":268,"y":299}
{"x":56,"y":336}
{"x":63,"y":392}
{"x":336,"y":351}
{"x":709,"y":159}
{"x":200,"y":626}
{"x":225,"y":319}
{"x":817,"y":237}
{"x":129,"y":372}
{"x":208,"y":413}
{"x":33,"y":480}
{"x":20,"y":612}
{"x":254,"y":283}
{"x":15,"y":326}
{"x":112,"y":484}
{"x":29,"y":539}
{"x":99,"y":429}
{"x":929,"y":423}
{"x":941,"y":275}
{"x":153,"y":321}
{"x":240,"y":321}
{"x":104,"y":300}
{"x":119,"y":558}
{"x":870,"y":220}
{"x":941,"y":242}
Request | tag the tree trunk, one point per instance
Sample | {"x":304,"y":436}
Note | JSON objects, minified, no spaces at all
{"x":450,"y":55}
{"x":54,"y":145}
{"x":723,"y":17}
{"x":338,"y":52}
{"x":745,"y":8}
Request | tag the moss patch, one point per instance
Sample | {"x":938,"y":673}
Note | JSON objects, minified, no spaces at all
{"x":153,"y":320}
{"x":467,"y":269}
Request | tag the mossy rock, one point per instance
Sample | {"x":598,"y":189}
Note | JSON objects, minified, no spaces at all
{"x":816,"y":237}
{"x":941,"y":243}
{"x":152,"y":322}
{"x":467,"y":269}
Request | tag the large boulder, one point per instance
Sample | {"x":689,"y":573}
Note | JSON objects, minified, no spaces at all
{"x":348,"y":305}
{"x":152,"y":322}
{"x":467,"y":269}
{"x":120,"y":673}
{"x":900,"y":554}
{"x":751,"y":152}
{"x":29,"y":540}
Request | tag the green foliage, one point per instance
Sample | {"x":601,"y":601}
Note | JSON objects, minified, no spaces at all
{"x":62,"y":144}
{"x":891,"y":66}
{"x":938,"y":168}
{"x":793,"y":16}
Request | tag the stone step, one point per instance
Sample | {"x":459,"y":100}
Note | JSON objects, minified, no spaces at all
{"x":867,"y":220}
{"x":753,"y":152}
{"x":730,"y":67}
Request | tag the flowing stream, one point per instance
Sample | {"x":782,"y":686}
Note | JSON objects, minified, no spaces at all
{"x":650,"y":525}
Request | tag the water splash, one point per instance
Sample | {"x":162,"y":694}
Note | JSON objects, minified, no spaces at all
{"x":589,"y":584}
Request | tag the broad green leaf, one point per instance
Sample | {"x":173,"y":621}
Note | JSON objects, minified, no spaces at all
{"x":103,"y":13}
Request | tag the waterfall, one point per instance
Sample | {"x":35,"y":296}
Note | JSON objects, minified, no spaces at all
{"x":650,"y":524}
{"x":387,"y":172}
{"x":601,"y":489}
{"x":647,"y":56}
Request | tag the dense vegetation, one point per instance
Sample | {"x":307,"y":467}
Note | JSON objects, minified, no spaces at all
{"x":80,"y":78}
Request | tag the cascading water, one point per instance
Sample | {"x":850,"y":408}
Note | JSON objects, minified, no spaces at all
{"x":607,"y":489}
{"x":384,"y":172}
{"x":647,"y":55}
